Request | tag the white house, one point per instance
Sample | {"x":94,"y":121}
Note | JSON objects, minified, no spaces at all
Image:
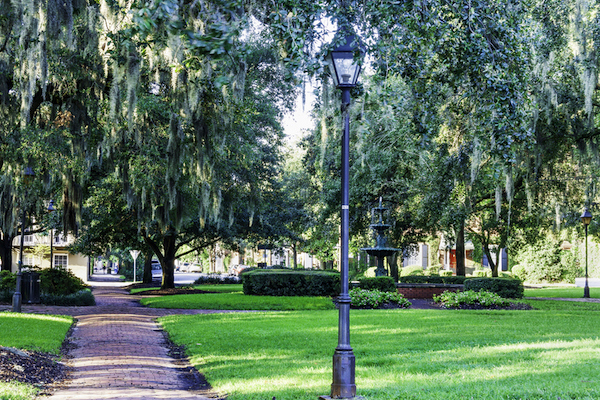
{"x":36,"y":252}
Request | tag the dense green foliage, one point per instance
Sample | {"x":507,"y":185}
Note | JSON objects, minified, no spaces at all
{"x":400,"y":354}
{"x":545,"y":262}
{"x":80,"y":298}
{"x":504,"y":287}
{"x":59,"y":281}
{"x":381,"y":283}
{"x":414,"y":270}
{"x":480,"y":298}
{"x":291,"y":283}
{"x":373,"y":298}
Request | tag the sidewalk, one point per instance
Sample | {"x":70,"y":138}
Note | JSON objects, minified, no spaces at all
{"x":121,"y":352}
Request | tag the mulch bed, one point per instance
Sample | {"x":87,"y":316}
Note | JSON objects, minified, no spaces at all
{"x":36,"y":368}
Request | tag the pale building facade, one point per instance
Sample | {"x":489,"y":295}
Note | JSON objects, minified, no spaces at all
{"x":36,"y":253}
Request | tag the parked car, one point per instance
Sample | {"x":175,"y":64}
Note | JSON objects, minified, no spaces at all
{"x":195,"y":268}
{"x":237,"y":269}
{"x":156,"y":270}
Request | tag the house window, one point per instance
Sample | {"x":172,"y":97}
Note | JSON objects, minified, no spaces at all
{"x":61,"y":260}
{"x":28,"y":260}
{"x":28,"y":239}
{"x":59,"y":239}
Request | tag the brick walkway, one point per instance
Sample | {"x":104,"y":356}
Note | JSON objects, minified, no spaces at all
{"x":121,"y":352}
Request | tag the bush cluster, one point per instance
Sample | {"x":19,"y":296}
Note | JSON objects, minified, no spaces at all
{"x":8,"y":281}
{"x":216,"y":280}
{"x":361,"y":298}
{"x":504,"y":287}
{"x":80,"y":298}
{"x":545,"y":262}
{"x":381,"y":283}
{"x":412,"y":270}
{"x":448,"y":280}
{"x":58,"y":286}
{"x":482,"y":298}
{"x":291,"y":283}
{"x":59,"y":281}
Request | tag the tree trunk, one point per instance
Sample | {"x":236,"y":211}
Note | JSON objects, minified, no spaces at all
{"x":393,"y":262}
{"x":147,"y":275}
{"x":493,"y":265}
{"x":166,"y":257}
{"x":295,"y":253}
{"x":168,"y":262}
{"x":6,"y":252}
{"x":460,"y":249}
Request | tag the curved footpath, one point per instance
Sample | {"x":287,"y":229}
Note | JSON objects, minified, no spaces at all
{"x":120,"y":352}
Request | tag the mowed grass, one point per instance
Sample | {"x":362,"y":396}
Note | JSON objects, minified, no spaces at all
{"x":401,"y":354}
{"x":228,"y":288}
{"x":44,"y":333}
{"x":562,"y":292}
{"x":238,"y":301}
{"x":34,"y":332}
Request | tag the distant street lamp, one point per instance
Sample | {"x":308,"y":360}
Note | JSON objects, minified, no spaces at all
{"x":586,"y":218}
{"x":51,"y":209}
{"x":345,"y":73}
{"x":17,"y":299}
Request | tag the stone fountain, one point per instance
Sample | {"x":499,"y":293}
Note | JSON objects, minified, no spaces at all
{"x":380,"y":250}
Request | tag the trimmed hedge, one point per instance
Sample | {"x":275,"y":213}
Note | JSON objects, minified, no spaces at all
{"x":278,"y":282}
{"x":81,"y":298}
{"x":381,"y":283}
{"x":216,"y":280}
{"x":448,"y":280}
{"x":504,"y":287}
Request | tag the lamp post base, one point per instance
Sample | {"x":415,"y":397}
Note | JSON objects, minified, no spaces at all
{"x":16,"y":302}
{"x":586,"y":292}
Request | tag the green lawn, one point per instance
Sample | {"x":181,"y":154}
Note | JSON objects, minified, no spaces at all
{"x":30,"y":332}
{"x":566,"y":292}
{"x":238,"y":301}
{"x":550,"y":353}
{"x":229,"y":288}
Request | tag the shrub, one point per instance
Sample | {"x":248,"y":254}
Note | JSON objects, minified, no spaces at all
{"x":361,"y":298}
{"x":448,"y":280}
{"x":545,"y":262}
{"x":519,"y":272}
{"x":504,"y":287}
{"x":412,"y":270}
{"x":80,"y":298}
{"x":291,"y":283}
{"x":8,"y":281}
{"x":459,"y":299}
{"x":571,"y":267}
{"x":445,"y":273}
{"x":433,"y":270}
{"x":381,"y":283}
{"x":59,"y":281}
{"x":482,"y":273}
{"x":216,"y":280}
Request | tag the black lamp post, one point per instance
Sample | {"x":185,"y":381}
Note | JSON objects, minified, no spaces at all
{"x":586,"y":218}
{"x":17,"y":298}
{"x":51,"y":209}
{"x":345,"y":73}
